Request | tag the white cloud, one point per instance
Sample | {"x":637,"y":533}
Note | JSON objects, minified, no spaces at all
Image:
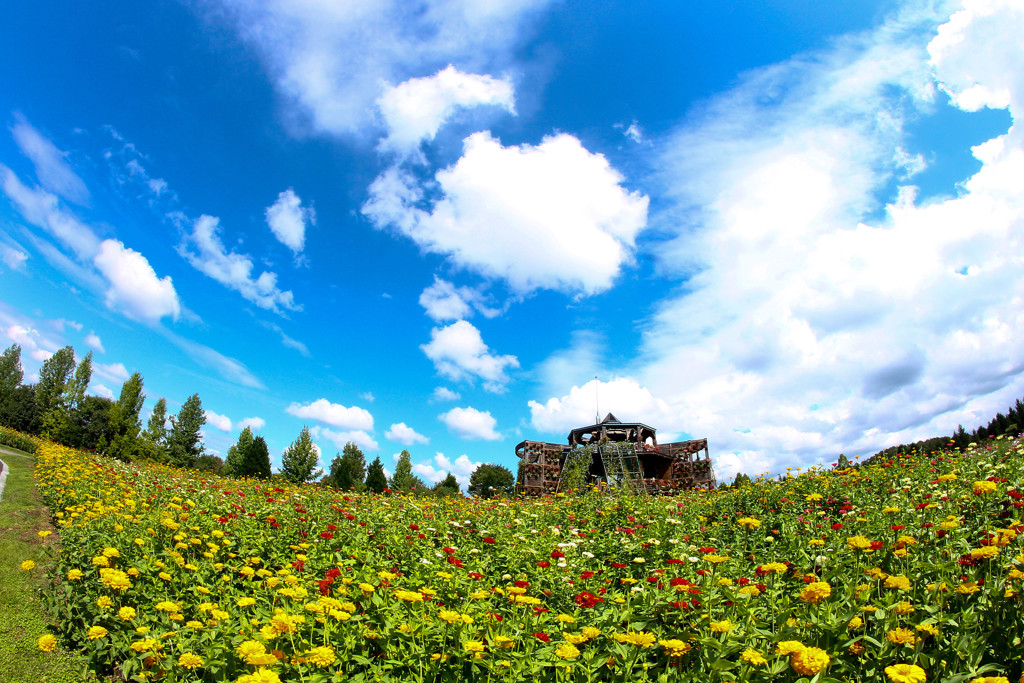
{"x":445,"y":394}
{"x":287,"y":219}
{"x":203,"y":248}
{"x":437,"y":469}
{"x":807,"y":328}
{"x":404,"y":434}
{"x":470,"y":423}
{"x":221,"y":422}
{"x":624,"y":397}
{"x":115,"y":372}
{"x":334,"y":59}
{"x":549,"y":216}
{"x":52,"y":169}
{"x":93,"y":341}
{"x":135,"y":289}
{"x":13,"y":258}
{"x":415,"y":110}
{"x":253,"y":423}
{"x":339,"y":438}
{"x":444,"y":301}
{"x":333,"y":414}
{"x":101,"y":391}
{"x":458,"y":351}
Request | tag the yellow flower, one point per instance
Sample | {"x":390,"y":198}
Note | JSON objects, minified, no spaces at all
{"x":984,"y":487}
{"x":321,"y":656}
{"x":723,"y":626}
{"x":567,"y":651}
{"x":809,"y":661}
{"x":753,"y":657}
{"x":190,"y":661}
{"x":96,"y":632}
{"x":675,"y":647}
{"x":905,"y":673}
{"x":815,"y":592}
{"x":28,"y":565}
{"x":47,"y":642}
{"x":126,"y":613}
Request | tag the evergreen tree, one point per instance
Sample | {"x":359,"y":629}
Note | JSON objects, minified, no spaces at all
{"x":122,"y":441}
{"x":299,"y":461}
{"x":185,"y":443}
{"x":375,"y":479}
{"x":402,"y":479}
{"x":11,"y":373}
{"x":449,"y":486}
{"x":348,"y":469}
{"x":490,"y":480}
{"x":51,"y":390}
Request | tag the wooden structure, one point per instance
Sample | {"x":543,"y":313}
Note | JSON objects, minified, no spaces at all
{"x":622,"y":454}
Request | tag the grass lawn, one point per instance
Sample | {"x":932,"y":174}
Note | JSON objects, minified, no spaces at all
{"x":23,"y":617}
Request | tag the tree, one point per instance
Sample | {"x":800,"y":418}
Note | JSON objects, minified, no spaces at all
{"x":122,"y":441}
{"x":490,"y":480}
{"x":185,"y":443}
{"x":249,"y":457}
{"x":449,"y":486}
{"x":348,"y":469}
{"x":402,"y":479}
{"x":375,"y":479}
{"x":11,"y":373}
{"x":299,"y":461}
{"x":51,"y":390}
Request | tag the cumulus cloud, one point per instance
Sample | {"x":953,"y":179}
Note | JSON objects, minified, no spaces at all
{"x":93,"y":341}
{"x":445,"y":394}
{"x":444,"y":301}
{"x":253,"y":423}
{"x":415,"y":110}
{"x":339,"y":438}
{"x":812,"y":323}
{"x":334,"y":60}
{"x":550,"y":216}
{"x":458,"y":351}
{"x":438,"y":468}
{"x":333,"y":414}
{"x":52,"y":168}
{"x":470,"y":423}
{"x":221,"y":422}
{"x":203,"y":249}
{"x":135,"y":289}
{"x":404,"y":434}
{"x":12,"y":257}
{"x":287,"y":219}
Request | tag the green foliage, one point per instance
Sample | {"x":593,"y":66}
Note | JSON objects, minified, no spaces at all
{"x":185,"y":443}
{"x":449,"y":486}
{"x":299,"y":461}
{"x":375,"y":479}
{"x":403,"y":478}
{"x":123,"y":432}
{"x":11,"y":373}
{"x":490,"y":480}
{"x":249,"y":457}
{"x":13,"y":439}
{"x":348,"y":469}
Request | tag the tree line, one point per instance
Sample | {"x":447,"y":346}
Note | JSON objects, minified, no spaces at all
{"x":56,"y":407}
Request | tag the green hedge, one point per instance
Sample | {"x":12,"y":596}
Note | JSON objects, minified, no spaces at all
{"x":13,"y":439}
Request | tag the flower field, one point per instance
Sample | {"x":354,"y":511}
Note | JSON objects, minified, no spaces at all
{"x":908,"y":570}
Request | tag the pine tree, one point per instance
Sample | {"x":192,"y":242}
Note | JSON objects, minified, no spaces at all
{"x":375,"y":479}
{"x":402,"y":479}
{"x":299,"y":461}
{"x":122,"y":440}
{"x":185,"y":443}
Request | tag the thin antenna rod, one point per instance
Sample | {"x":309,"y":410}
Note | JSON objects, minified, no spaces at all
{"x":597,"y":401}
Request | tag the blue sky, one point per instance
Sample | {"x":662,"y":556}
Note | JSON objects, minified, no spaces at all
{"x":790,"y":227}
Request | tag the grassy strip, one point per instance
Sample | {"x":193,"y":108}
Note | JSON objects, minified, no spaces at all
{"x":23,"y":617}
